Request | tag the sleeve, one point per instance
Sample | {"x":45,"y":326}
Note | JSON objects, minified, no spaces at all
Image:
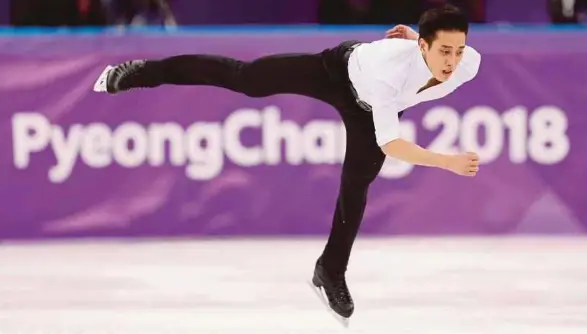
{"x":385,"y":111}
{"x":386,"y":72}
{"x":471,"y":64}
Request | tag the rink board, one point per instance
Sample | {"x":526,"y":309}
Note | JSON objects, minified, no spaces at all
{"x":201,"y":161}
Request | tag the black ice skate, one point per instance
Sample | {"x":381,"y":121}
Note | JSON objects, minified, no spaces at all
{"x":122,"y":77}
{"x":336,"y":291}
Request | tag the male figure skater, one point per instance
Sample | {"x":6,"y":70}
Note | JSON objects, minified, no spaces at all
{"x":369,"y":84}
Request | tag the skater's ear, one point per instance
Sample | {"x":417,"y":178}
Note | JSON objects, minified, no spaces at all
{"x":423,"y":45}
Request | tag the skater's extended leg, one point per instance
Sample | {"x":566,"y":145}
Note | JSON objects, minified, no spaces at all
{"x":301,"y":74}
{"x":362,"y":163}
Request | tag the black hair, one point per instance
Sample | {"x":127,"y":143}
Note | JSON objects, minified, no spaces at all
{"x":443,"y":18}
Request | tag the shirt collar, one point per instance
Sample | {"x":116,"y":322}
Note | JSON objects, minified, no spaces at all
{"x":422,"y":70}
{"x":419,"y":73}
{"x":422,"y":73}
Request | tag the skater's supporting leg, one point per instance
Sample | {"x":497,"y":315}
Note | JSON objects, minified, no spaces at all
{"x":362,"y":163}
{"x":301,"y":74}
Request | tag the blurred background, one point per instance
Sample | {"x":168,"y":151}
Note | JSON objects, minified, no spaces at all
{"x":187,"y":12}
{"x":198,"y":164}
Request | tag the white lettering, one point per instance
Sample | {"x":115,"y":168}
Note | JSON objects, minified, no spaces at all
{"x":394,"y":168}
{"x":548,"y":143}
{"x":204,"y":151}
{"x":30,"y":133}
{"x":516,"y":121}
{"x":96,"y":146}
{"x":274,"y":131}
{"x":319,"y":142}
{"x":448,"y":120}
{"x":233,"y":127}
{"x":159,"y":135}
{"x":489,"y":119}
{"x":341,"y":149}
{"x":127,"y":135}
{"x":66,"y":149}
{"x":250,"y":137}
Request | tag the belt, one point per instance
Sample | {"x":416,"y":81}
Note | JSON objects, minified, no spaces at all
{"x":362,"y":104}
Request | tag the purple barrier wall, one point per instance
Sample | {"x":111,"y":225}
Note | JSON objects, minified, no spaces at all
{"x":4,"y":12}
{"x":189,"y":12}
{"x":204,"y":161}
{"x":524,"y":11}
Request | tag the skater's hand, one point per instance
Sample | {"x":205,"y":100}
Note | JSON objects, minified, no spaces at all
{"x":465,"y":164}
{"x":402,"y":31}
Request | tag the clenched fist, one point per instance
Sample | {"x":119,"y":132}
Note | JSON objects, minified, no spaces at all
{"x":466,"y":164}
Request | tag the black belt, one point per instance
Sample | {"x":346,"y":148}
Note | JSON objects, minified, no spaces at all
{"x":362,"y":104}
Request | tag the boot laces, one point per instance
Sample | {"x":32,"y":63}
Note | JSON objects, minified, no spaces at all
{"x":128,"y":75}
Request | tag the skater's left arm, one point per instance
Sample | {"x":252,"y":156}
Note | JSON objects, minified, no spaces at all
{"x":403,"y":32}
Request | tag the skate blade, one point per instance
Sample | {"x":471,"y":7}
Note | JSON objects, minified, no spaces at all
{"x":318,"y":291}
{"x":100,"y":84}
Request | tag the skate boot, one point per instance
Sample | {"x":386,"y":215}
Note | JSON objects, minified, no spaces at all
{"x":336,"y":290}
{"x":122,"y":77}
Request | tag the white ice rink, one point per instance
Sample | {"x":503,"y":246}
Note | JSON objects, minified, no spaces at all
{"x":436,"y":286}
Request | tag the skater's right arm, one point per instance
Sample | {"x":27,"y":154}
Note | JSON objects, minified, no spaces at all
{"x":414,"y":154}
{"x":466,"y":164}
{"x":387,"y":132}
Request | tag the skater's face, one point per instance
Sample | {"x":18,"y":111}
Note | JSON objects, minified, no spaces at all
{"x":444,"y":53}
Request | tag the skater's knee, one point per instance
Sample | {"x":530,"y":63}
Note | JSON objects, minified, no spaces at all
{"x":362,"y":177}
{"x":247,"y":80}
{"x":362,"y":172}
{"x":369,"y":175}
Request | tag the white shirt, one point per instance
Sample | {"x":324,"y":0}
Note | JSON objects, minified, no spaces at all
{"x":388,"y":73}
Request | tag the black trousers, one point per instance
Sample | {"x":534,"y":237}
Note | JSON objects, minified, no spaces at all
{"x":322,"y":76}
